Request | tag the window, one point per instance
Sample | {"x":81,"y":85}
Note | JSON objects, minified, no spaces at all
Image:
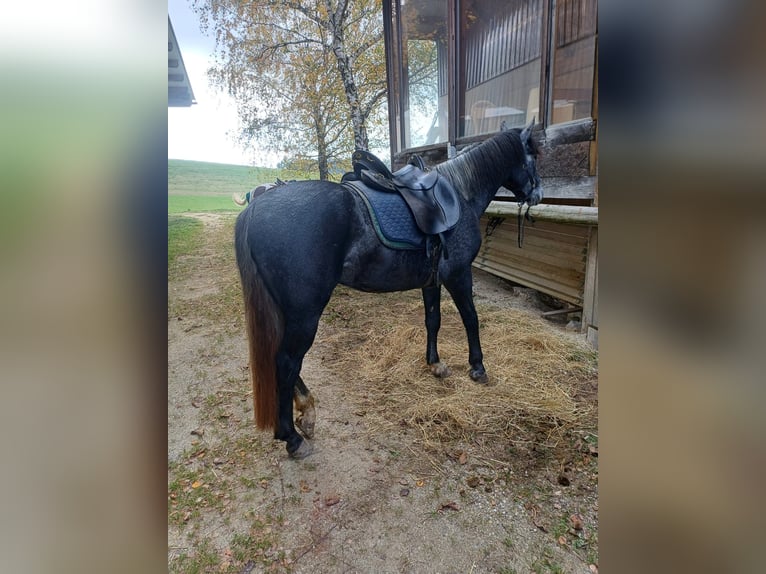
{"x":499,"y":64}
{"x":573,"y":60}
{"x":424,"y":72}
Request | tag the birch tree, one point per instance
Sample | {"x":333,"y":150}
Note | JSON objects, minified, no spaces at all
{"x":308,"y":76}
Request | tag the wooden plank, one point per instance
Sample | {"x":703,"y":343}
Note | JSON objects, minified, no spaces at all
{"x":564,"y":311}
{"x":569,"y":214}
{"x":535,"y":254}
{"x":594,"y":114}
{"x":509,"y":230}
{"x":544,"y":239}
{"x":557,"y":258}
{"x":542,"y":242}
{"x":551,"y":227}
{"x":571,"y":284}
{"x":558,"y":290}
{"x":561,"y":242}
{"x":591,"y":335}
{"x":590,"y":289}
{"x":570,"y":275}
{"x":571,"y":234}
{"x":553,"y":288}
{"x":562,"y":275}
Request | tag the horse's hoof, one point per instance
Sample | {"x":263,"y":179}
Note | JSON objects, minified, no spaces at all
{"x":480,"y":376}
{"x":302,"y":451}
{"x":306,"y":425}
{"x":440,"y":370}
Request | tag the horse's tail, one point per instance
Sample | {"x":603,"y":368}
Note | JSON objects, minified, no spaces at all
{"x":264,"y":325}
{"x":239,"y":198}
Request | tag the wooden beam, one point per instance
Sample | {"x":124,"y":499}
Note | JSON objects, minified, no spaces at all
{"x":590,"y":289}
{"x":572,"y":214}
{"x":562,"y":188}
{"x":570,"y":132}
{"x":564,"y":311}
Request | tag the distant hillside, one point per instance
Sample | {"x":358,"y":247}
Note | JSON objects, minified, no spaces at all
{"x":199,"y":177}
{"x":200,"y":186}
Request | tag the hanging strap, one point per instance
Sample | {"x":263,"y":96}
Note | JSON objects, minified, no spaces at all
{"x":521,"y":223}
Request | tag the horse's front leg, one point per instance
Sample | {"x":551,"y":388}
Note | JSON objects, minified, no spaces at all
{"x":460,"y":287}
{"x":432,"y":302}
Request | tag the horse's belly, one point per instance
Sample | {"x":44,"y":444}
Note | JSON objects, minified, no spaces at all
{"x":382,"y":270}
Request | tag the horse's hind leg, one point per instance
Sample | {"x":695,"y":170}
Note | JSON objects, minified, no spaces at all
{"x":304,"y":404}
{"x":432,"y":303}
{"x":297,"y":339}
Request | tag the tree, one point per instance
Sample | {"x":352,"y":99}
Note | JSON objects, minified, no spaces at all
{"x":308,"y":76}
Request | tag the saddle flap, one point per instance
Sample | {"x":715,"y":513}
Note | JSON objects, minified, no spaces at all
{"x":412,"y":177}
{"x":436,"y":209}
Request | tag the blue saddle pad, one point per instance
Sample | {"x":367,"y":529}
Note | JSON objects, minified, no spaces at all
{"x":391,"y":217}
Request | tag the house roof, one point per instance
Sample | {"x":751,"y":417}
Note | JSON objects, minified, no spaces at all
{"x":180,"y":93}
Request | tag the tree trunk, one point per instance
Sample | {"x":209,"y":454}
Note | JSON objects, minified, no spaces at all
{"x":321,"y":134}
{"x":337,"y":22}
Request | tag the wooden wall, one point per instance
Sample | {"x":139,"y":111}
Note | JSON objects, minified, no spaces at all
{"x":552,"y":259}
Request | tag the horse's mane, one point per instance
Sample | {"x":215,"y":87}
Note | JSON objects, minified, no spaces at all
{"x":486,"y":165}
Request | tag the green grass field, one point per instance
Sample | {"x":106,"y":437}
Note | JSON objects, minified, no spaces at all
{"x":184,"y":236}
{"x":195,"y":186}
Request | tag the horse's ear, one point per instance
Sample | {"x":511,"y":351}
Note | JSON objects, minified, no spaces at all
{"x":527,"y":131}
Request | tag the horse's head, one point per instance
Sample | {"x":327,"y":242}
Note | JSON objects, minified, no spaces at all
{"x":524,"y":181}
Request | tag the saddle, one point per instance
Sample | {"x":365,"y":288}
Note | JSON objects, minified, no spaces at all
{"x":430,"y":197}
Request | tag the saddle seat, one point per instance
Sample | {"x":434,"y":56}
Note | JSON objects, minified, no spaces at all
{"x":433,"y":201}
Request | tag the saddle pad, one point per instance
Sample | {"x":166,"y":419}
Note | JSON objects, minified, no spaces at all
{"x":392,"y":219}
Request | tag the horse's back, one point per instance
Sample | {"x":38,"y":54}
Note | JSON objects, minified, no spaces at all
{"x":298,"y":234}
{"x":299,"y":212}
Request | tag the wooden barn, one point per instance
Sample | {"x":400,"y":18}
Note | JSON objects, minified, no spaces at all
{"x":456,"y":70}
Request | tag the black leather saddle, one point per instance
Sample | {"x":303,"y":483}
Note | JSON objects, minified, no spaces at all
{"x":431,"y":198}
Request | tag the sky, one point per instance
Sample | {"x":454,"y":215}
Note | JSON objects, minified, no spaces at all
{"x":207,"y":130}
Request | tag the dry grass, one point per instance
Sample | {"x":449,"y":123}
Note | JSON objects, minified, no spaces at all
{"x":541,"y":380}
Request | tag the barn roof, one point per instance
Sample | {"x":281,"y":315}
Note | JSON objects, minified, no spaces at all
{"x":180,"y":93}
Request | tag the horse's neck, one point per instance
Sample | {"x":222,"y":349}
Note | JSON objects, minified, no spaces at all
{"x":477,"y":176}
{"x":486,"y":193}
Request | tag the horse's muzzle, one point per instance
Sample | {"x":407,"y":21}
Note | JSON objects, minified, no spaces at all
{"x":536,"y":196}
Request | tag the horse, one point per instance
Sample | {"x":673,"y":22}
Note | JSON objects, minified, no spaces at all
{"x":245,"y":198}
{"x":295,"y":244}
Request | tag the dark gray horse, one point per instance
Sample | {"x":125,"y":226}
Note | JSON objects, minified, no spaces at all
{"x":295,"y":243}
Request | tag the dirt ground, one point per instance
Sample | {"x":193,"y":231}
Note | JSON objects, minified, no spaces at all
{"x":364,"y":501}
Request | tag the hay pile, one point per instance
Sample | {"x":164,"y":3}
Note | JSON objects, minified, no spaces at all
{"x":536,"y":372}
